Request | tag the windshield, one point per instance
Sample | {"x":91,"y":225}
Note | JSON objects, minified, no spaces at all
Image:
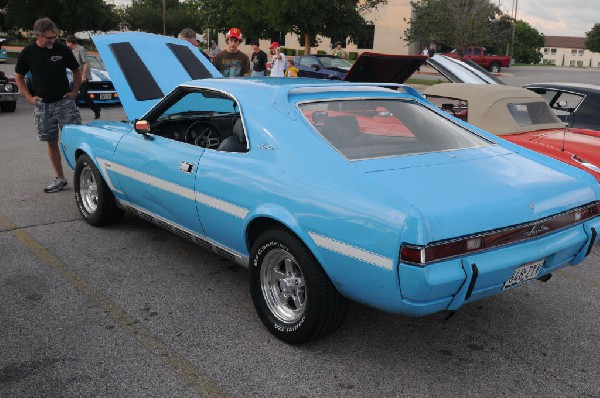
{"x":366,"y":129}
{"x":95,"y":62}
{"x":335,"y":62}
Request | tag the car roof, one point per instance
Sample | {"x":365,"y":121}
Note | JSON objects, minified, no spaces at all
{"x":583,"y":88}
{"x":318,"y":55}
{"x":276,"y":91}
{"x":488,"y":105}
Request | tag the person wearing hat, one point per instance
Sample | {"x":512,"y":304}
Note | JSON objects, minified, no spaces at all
{"x":231,"y":62}
{"x":259,"y":60}
{"x":278,"y":63}
{"x":338,"y":51}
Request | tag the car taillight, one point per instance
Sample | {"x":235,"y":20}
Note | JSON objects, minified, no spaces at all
{"x":436,"y":251}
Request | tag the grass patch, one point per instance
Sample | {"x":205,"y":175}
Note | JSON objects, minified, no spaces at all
{"x":425,"y":82}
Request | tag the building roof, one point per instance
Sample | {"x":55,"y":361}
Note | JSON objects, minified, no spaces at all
{"x":564,"y":42}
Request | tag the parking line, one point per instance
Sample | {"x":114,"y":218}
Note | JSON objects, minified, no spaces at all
{"x":172,"y":359}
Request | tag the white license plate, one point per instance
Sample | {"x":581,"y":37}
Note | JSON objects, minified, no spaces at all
{"x":105,"y":96}
{"x":523,"y":274}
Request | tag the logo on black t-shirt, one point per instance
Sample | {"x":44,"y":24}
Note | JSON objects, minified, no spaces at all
{"x":55,"y":58}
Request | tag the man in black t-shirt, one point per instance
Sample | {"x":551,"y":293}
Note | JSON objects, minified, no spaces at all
{"x":259,"y":60}
{"x":53,"y":100}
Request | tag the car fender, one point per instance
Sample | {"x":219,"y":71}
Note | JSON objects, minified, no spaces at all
{"x":357,"y":277}
{"x":98,"y":140}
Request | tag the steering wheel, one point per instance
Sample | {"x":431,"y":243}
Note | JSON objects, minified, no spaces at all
{"x":203,"y":134}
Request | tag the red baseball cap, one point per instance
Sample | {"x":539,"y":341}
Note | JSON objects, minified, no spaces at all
{"x":234,"y":32}
{"x":274,"y":45}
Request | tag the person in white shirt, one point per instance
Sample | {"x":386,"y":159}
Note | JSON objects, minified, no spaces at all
{"x":278,"y":63}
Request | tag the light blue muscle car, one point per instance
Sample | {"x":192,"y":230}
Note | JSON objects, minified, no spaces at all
{"x":325,"y":190}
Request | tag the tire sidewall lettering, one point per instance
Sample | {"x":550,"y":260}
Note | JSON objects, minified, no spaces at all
{"x":285,"y":328}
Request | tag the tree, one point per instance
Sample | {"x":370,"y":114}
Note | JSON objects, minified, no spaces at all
{"x":528,"y":42}
{"x":69,"y":15}
{"x":147,"y":15}
{"x":306,"y":18}
{"x":592,"y":41}
{"x":457,"y":23}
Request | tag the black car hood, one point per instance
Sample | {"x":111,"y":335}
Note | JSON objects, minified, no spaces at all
{"x":384,"y":68}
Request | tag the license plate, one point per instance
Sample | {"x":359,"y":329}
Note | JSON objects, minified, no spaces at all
{"x":523,"y":274}
{"x":105,"y":96}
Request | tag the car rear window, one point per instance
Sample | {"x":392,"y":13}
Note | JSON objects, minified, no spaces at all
{"x":532,"y":113}
{"x":366,"y":129}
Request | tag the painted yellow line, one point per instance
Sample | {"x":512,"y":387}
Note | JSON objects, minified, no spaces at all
{"x":172,"y":359}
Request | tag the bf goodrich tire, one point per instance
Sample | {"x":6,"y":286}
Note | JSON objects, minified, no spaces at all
{"x":292,"y":295}
{"x":94,"y":199}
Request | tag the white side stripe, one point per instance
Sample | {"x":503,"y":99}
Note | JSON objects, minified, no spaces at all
{"x":219,"y":204}
{"x":184,"y":192}
{"x":152,"y":181}
{"x":352,"y":251}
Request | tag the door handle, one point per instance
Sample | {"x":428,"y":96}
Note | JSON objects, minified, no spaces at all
{"x":186,"y":167}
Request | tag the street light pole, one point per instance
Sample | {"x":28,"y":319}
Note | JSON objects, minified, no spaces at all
{"x":512,"y":47}
{"x":165,"y":17}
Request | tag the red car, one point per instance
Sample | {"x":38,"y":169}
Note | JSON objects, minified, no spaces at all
{"x":522,"y":117}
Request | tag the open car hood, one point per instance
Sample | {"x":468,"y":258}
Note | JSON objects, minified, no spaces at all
{"x":461,"y":72}
{"x":384,"y":68}
{"x":144,"y":67}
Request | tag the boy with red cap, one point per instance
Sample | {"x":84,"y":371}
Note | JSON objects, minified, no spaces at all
{"x":231,"y":62}
{"x":278,"y":63}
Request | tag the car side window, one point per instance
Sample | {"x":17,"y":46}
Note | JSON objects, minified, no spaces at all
{"x":565,"y":102}
{"x":202,"y":118}
{"x":456,"y":107}
{"x":308,"y":61}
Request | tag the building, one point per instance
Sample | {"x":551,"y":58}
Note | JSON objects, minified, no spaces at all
{"x":387,"y":33}
{"x":568,"y":51}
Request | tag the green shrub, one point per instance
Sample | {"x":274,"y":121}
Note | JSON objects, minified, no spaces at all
{"x":352,"y":55}
{"x":300,"y":52}
{"x":321,"y":52}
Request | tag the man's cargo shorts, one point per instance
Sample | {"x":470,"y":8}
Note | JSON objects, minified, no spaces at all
{"x":51,"y":116}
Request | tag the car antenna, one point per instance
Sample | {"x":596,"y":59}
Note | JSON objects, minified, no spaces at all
{"x":570,"y":111}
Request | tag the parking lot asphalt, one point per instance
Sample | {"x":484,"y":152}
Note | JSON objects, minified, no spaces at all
{"x":131,"y":310}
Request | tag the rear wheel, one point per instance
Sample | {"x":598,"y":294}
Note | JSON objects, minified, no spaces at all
{"x":8,"y":106}
{"x":495,"y":67}
{"x":94,"y":199}
{"x":293,"y":296}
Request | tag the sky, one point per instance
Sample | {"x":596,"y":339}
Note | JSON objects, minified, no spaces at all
{"x":550,"y":17}
{"x":556,"y":17}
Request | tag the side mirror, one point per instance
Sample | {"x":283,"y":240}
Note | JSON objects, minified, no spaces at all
{"x":142,"y":126}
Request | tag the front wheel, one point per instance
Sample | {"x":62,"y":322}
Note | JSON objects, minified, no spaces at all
{"x":293,"y":296}
{"x":94,"y":199}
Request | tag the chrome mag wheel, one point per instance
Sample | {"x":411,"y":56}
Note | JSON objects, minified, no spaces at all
{"x":283,"y":286}
{"x":88,"y":189}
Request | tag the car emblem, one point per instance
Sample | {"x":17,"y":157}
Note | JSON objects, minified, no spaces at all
{"x":531,"y":206}
{"x":537,"y":229}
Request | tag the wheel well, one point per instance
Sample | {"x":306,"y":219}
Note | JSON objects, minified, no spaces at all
{"x":78,"y":153}
{"x":259,"y":225}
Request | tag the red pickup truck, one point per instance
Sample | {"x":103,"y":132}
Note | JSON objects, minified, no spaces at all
{"x":479,"y":55}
